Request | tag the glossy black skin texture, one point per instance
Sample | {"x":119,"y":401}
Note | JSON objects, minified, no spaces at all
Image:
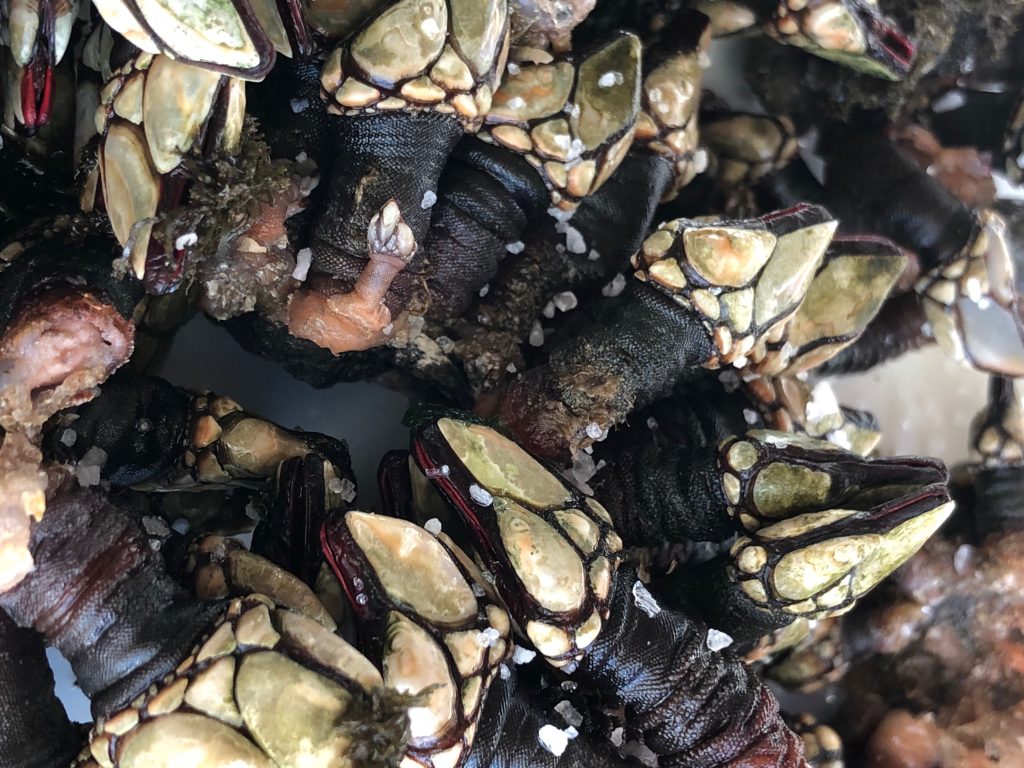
{"x":693,"y":706}
{"x":510,"y":720}
{"x":95,"y":569}
{"x":36,"y":732}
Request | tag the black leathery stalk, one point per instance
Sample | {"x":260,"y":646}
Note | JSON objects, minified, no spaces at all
{"x":36,"y":731}
{"x":94,"y":568}
{"x":693,"y":706}
{"x":873,"y":186}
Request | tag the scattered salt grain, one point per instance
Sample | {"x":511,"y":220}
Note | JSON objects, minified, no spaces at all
{"x":362,"y":599}
{"x":552,"y":739}
{"x":480,"y":496}
{"x":549,"y":310}
{"x":516,"y":102}
{"x":565,"y":301}
{"x":615,"y":737}
{"x":700,"y":161}
{"x":608,"y":79}
{"x":433,"y":525}
{"x":962,"y":558}
{"x":718,"y":640}
{"x":645,"y":600}
{"x":516,"y":247}
{"x":568,"y":685}
{"x":574,"y":241}
{"x":642,"y":753}
{"x":429,"y":198}
{"x":446,"y":344}
{"x":949,"y":101}
{"x":840,"y":438}
{"x":302,"y":261}
{"x":652,"y":423}
{"x":512,"y":68}
{"x":559,"y":215}
{"x":68,"y":437}
{"x":615,"y":287}
{"x":504,"y":671}
{"x":822,"y":403}
{"x":511,"y":368}
{"x":523,"y":655}
{"x":536,"y":334}
{"x":343,"y":487}
{"x":569,"y":713}
{"x":183,"y":242}
{"x":594,"y":255}
{"x":749,"y":416}
{"x":180,"y":526}
{"x":299,"y":105}
{"x":485,"y":290}
{"x":478,"y":590}
{"x":87,"y":471}
{"x":594,"y":430}
{"x":488,"y":637}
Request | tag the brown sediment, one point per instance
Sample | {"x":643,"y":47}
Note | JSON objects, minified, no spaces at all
{"x":255,"y":273}
{"x":58,"y":348}
{"x":22,"y":499}
{"x":944,"y":674}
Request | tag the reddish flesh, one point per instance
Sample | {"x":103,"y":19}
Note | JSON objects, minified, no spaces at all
{"x":58,"y":348}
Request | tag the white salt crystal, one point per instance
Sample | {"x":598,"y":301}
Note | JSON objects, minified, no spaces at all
{"x":183,"y":242}
{"x":429,"y":198}
{"x":485,"y":290}
{"x":504,"y":671}
{"x":549,"y":310}
{"x":488,"y":637}
{"x":511,"y":368}
{"x":749,"y":416}
{"x":594,"y":255}
{"x":962,"y":557}
{"x":480,"y":496}
{"x":446,"y":344}
{"x":569,"y":713}
{"x":536,"y":334}
{"x":822,"y":403}
{"x":616,"y":736}
{"x":68,"y":437}
{"x":522,"y":655}
{"x":594,"y":430}
{"x":717,"y":640}
{"x":642,"y":753}
{"x":516,"y":247}
{"x":552,"y":739}
{"x":299,"y":105}
{"x":645,"y":600}
{"x":565,"y":301}
{"x":608,"y":79}
{"x":615,"y":287}
{"x":516,"y":102}
{"x":513,"y":68}
{"x":949,"y":101}
{"x":302,"y":261}
{"x":433,"y":525}
{"x":574,"y":241}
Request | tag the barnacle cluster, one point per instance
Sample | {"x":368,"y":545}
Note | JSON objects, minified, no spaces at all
{"x":630,"y":505}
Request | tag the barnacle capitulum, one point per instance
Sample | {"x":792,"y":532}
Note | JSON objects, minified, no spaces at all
{"x":543,"y":539}
{"x":156,"y":112}
{"x":572,"y":122}
{"x":38,"y":34}
{"x":433,"y":621}
{"x":972,"y":301}
{"x":237,"y":37}
{"x":851,"y":32}
{"x":358,"y":319}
